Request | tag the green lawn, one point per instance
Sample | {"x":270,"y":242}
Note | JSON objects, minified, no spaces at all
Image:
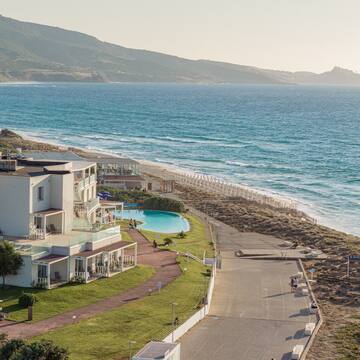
{"x":69,"y":297}
{"x":106,"y":336}
{"x":197,"y":240}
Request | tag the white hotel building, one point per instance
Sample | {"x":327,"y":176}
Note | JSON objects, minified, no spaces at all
{"x":50,"y":211}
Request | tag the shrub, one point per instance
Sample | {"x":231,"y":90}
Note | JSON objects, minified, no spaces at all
{"x":165,"y":204}
{"x":77,"y":280}
{"x":168,"y":241}
{"x":27,"y":299}
{"x":181,"y":235}
{"x":44,"y":350}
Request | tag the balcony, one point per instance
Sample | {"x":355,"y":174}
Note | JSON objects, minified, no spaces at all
{"x":82,"y":184}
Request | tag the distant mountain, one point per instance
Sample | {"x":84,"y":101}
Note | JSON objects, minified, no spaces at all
{"x":32,"y":52}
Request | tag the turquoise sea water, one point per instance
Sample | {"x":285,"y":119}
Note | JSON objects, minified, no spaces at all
{"x":298,"y":141}
{"x":159,"y":221}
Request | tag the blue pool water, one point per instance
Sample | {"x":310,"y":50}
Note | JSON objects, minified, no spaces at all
{"x":301,"y":142}
{"x":159,"y":221}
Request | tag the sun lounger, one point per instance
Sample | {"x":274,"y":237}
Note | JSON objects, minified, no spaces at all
{"x":297,"y":351}
{"x":309,"y":328}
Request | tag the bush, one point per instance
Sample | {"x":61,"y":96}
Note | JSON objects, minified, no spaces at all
{"x":130,"y":196}
{"x":27,"y":299}
{"x":181,"y":235}
{"x":165,"y":204}
{"x":44,"y":350}
{"x":77,"y":280}
{"x":168,"y":241}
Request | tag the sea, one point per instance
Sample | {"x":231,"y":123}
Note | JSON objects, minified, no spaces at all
{"x":298,"y":142}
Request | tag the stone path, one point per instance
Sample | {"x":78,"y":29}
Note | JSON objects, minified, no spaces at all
{"x":166,"y":268}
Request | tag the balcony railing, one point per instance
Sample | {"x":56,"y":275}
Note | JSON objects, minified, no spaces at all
{"x":83,"y":183}
{"x":84,"y":237}
{"x":91,"y":205}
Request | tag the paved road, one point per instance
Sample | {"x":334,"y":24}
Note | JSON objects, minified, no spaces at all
{"x":253,"y":314}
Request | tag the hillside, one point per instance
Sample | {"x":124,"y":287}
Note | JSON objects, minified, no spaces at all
{"x":32,"y":52}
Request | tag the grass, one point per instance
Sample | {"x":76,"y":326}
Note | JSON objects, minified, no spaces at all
{"x":106,"y":336}
{"x":197,"y":240}
{"x":72,"y":296}
{"x":348,"y":342}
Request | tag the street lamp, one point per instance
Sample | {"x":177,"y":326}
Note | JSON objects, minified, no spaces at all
{"x":131,"y":342}
{"x":173,"y":320}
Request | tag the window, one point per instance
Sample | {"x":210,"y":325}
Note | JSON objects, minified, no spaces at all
{"x":40,"y":193}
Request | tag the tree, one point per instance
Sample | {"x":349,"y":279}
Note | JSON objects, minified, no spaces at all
{"x":10,"y":260}
{"x":39,"y":350}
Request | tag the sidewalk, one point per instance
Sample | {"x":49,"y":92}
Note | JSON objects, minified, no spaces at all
{"x":166,"y":268}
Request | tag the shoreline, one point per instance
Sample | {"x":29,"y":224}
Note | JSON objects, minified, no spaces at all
{"x":169,"y":170}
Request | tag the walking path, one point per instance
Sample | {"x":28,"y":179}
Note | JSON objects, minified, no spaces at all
{"x":166,"y":268}
{"x":253,"y":315}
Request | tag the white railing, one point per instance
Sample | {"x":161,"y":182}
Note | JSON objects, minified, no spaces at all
{"x":42,"y":281}
{"x":92,"y":179}
{"x":91,"y":205}
{"x":80,"y":274}
{"x":80,"y":186}
{"x":129,"y":260}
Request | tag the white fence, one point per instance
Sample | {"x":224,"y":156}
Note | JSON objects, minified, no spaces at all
{"x":198,"y":316}
{"x":213,"y":184}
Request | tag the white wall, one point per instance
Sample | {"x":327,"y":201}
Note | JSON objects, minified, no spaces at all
{"x":62,"y":196}
{"x":197,"y":317}
{"x":26,"y":274}
{"x":14,"y":205}
{"x":36,"y":182}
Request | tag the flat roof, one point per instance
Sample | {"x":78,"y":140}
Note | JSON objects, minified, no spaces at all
{"x":47,"y":212}
{"x":155,"y":350}
{"x":112,"y":160}
{"x":49,"y":259}
{"x":115,"y":246}
{"x":53,"y":155}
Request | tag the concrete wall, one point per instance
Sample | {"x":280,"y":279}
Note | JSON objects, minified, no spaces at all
{"x":14,"y":205}
{"x":198,"y":316}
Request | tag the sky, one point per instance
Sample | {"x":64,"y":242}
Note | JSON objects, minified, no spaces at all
{"x":294,"y":35}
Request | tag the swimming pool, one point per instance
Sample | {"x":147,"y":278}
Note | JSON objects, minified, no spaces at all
{"x":154,"y":220}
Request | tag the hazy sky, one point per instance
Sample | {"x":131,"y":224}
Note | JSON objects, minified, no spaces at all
{"x":280,"y":34}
